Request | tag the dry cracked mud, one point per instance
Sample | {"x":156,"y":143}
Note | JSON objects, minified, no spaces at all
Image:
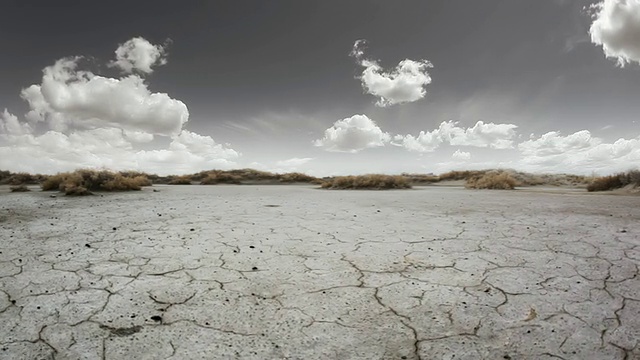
{"x":292,"y":272}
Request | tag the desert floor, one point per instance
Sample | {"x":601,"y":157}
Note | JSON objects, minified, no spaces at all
{"x":293,"y":272}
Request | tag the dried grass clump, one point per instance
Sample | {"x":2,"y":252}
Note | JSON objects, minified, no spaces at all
{"x":83,"y":182}
{"x":180,"y":180}
{"x":422,"y":178}
{"x":220,"y":178}
{"x":492,"y":180}
{"x":373,"y":182}
{"x":617,"y":181}
{"x":297,"y":177}
{"x":461,"y":175}
{"x":19,"y":188}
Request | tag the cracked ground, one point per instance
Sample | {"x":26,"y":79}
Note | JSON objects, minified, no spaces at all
{"x":292,"y":272}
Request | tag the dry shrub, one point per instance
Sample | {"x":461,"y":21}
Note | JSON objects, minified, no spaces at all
{"x":372,"y":181}
{"x":20,"y":188}
{"x":23,"y":178}
{"x":461,"y":175}
{"x":180,"y":180}
{"x":616,"y":181}
{"x":83,"y":182}
{"x":297,"y":177}
{"x":492,"y":180}
{"x":221,"y":178}
{"x":421,"y":178}
{"x":53,"y":182}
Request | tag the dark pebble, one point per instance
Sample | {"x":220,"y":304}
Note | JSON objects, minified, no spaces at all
{"x":156,"y":318}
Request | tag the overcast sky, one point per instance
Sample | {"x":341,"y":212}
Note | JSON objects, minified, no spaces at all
{"x":324,"y":87}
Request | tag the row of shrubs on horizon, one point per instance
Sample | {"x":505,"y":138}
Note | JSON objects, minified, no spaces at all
{"x":84,"y":181}
{"x":616,"y":181}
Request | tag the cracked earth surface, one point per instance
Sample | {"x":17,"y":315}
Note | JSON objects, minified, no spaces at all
{"x":292,"y":272}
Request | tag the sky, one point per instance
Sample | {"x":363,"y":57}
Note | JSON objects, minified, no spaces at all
{"x":325,"y":87}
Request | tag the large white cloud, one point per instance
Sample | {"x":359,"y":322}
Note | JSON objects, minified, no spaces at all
{"x":352,"y":135}
{"x":138,"y":54}
{"x":616,"y":27}
{"x":579,"y":152}
{"x":406,"y":83}
{"x":95,"y":121}
{"x":489,"y":135}
{"x":69,"y":97}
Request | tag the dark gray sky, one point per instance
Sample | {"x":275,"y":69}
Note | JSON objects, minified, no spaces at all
{"x":269,"y":77}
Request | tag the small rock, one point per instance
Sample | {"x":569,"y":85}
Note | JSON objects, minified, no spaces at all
{"x":623,"y":231}
{"x":87,"y":245}
{"x":192,"y":230}
{"x":251,"y":247}
{"x":254,"y":268}
{"x":52,"y":196}
{"x":156,"y":190}
{"x":156,"y":318}
{"x":114,"y":229}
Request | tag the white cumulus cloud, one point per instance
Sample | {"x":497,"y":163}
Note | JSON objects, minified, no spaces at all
{"x":579,"y":152}
{"x":352,"y":135}
{"x":406,"y":83}
{"x":88,"y":120}
{"x":616,"y":27}
{"x":68,"y":97}
{"x":138,"y":54}
{"x":461,"y":155}
{"x":488,"y":135}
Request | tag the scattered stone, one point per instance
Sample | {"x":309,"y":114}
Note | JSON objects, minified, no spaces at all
{"x":87,"y":245}
{"x":114,"y":229}
{"x":251,"y":247}
{"x":192,"y":230}
{"x":156,"y":318}
{"x":254,"y":268}
{"x":52,"y":196}
{"x":623,"y":231}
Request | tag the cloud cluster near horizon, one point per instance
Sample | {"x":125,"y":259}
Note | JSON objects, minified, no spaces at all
{"x":88,"y":120}
{"x":406,"y":83}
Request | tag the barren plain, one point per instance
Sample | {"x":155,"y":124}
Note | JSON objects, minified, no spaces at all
{"x":294,"y":272}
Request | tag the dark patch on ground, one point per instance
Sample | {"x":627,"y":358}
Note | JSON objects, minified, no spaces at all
{"x":122,"y":331}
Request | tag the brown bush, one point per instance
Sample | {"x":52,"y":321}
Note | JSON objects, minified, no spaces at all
{"x":221,"y":178}
{"x":421,"y":178}
{"x":52,"y":182}
{"x":616,"y":181}
{"x":180,"y":180}
{"x":20,"y":188}
{"x":461,"y":175}
{"x":372,"y":181}
{"x":492,"y":180}
{"x":81,"y":182}
{"x":297,"y":177}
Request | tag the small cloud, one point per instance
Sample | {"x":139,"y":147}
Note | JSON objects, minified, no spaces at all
{"x":488,"y":135}
{"x":616,"y":27}
{"x":138,"y":54}
{"x":352,"y":135}
{"x":293,"y":162}
{"x":461,"y":155}
{"x":406,"y":83}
